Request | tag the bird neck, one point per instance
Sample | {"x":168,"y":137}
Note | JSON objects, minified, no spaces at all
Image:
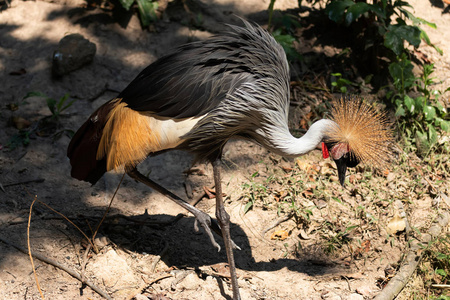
{"x":282,"y":142}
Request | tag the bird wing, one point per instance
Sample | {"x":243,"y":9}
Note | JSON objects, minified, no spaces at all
{"x":193,"y":80}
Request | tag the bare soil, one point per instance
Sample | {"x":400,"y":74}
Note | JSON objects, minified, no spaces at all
{"x":144,"y":249}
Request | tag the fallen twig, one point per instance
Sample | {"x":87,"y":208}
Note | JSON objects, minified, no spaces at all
{"x":133,"y":219}
{"x":106,"y":212}
{"x":412,"y":259}
{"x":29,"y":249}
{"x":60,"y":266}
{"x":441,"y":286}
{"x":146,"y":284}
{"x":278,"y":222}
{"x":38,"y":180}
{"x":158,"y":258}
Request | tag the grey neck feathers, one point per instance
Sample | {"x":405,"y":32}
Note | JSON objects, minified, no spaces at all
{"x":279,"y":139}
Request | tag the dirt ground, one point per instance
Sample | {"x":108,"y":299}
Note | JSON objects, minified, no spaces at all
{"x":144,"y":249}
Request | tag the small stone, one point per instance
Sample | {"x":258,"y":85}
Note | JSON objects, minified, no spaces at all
{"x":74,"y":51}
{"x":355,"y":296}
{"x":190,"y":282}
{"x":364,"y":290}
{"x":330,"y":296}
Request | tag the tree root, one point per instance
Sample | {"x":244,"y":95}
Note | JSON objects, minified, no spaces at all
{"x":412,"y":259}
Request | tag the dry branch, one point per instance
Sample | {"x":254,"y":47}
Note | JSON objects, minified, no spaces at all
{"x":60,"y":266}
{"x":413,"y":258}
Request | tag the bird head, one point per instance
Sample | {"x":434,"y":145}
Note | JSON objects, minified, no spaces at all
{"x":361,"y":134}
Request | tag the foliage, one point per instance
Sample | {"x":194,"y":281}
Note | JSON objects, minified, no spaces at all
{"x":148,"y":10}
{"x":253,"y":192}
{"x":336,"y":238}
{"x":436,"y":266}
{"x":46,"y":126}
{"x":283,"y":31}
{"x":420,"y":117}
{"x":340,"y":83}
{"x":56,"y":107}
{"x":387,"y":17}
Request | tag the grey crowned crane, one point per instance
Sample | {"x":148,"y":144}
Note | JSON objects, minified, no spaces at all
{"x":234,"y":85}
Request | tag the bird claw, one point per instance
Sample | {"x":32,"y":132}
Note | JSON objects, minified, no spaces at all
{"x":208,"y":223}
{"x":205,"y":222}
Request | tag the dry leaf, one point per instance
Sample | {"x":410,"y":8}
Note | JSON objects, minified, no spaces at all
{"x":20,"y":123}
{"x":303,"y":165}
{"x":304,"y":235}
{"x":396,"y":224}
{"x":279,"y":235}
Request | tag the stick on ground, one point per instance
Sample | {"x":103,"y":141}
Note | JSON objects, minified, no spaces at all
{"x":411,"y":261}
{"x":60,"y":266}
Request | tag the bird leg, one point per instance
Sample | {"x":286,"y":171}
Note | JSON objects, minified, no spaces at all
{"x":224,"y":221}
{"x":203,"y":218}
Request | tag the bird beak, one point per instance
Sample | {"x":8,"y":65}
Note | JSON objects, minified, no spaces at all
{"x":341,"y":165}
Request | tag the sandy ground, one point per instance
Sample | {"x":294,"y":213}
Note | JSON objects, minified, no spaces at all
{"x":269,"y":269}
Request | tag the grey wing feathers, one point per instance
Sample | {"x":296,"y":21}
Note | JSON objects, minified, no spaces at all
{"x":197,"y":77}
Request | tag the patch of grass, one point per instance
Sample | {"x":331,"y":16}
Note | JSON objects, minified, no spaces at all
{"x":254,"y":192}
{"x":46,"y":126}
{"x":421,"y":118}
{"x":334,"y":237}
{"x":435,"y":267}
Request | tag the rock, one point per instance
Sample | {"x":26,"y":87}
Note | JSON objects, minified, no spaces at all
{"x":328,"y":295}
{"x":355,"y":296}
{"x":111,"y":269}
{"x":190,"y":282}
{"x":74,"y":51}
{"x":364,"y":290}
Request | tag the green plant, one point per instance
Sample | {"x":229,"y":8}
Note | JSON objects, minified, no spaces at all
{"x":253,"y":192}
{"x":45,"y":126}
{"x":340,"y":83}
{"x":384,"y":20}
{"x":147,"y":10}
{"x":334,"y":238}
{"x":283,"y":30}
{"x":421,"y":117}
{"x":22,"y":138}
{"x":435,"y":266}
{"x":56,"y":107}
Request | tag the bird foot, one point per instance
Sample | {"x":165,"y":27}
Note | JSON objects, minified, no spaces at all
{"x":208,"y":223}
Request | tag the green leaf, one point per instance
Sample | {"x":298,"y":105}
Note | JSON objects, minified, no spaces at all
{"x":417,"y":20}
{"x":248,"y":206}
{"x":424,"y":36}
{"x":355,"y":11}
{"x":400,"y":112}
{"x":422,"y":142}
{"x":409,"y":103}
{"x":336,"y":9}
{"x":430,"y":112}
{"x":51,"y":103}
{"x":420,"y":101}
{"x":432,"y":135}
{"x":34,"y":94}
{"x":68,"y":105}
{"x":441,"y":272}
{"x":445,"y":125}
{"x":284,"y":39}
{"x":397,"y":34}
{"x":61,"y":101}
{"x":147,"y":11}
{"x":126,"y":3}
{"x":402,"y":74}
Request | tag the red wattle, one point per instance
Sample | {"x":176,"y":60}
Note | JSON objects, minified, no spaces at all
{"x":325,"y":153}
